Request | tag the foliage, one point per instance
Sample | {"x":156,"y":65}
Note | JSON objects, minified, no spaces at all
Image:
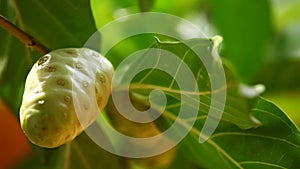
{"x":260,"y":46}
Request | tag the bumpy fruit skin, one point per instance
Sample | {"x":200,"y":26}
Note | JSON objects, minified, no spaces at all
{"x":63,"y":94}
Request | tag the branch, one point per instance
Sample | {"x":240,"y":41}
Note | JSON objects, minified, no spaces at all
{"x":26,"y":39}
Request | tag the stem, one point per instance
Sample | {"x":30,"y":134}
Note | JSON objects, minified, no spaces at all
{"x":68,"y":155}
{"x":26,"y":39}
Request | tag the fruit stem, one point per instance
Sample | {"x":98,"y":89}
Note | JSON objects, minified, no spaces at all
{"x":25,"y":38}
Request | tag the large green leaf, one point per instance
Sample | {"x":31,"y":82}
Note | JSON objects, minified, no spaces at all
{"x":235,"y":148}
{"x":273,"y":144}
{"x":57,"y":24}
{"x":236,"y":108}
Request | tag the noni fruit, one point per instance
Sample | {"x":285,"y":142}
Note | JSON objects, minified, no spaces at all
{"x":64,"y":92}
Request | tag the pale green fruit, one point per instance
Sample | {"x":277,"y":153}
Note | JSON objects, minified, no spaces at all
{"x":63,"y":94}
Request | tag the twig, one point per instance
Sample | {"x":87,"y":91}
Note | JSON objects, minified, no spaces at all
{"x":26,"y":39}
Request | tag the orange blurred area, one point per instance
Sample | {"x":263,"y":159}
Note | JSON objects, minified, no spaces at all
{"x":13,"y":143}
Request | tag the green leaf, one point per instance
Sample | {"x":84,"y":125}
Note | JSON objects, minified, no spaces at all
{"x":246,"y":28}
{"x":275,"y":144}
{"x":57,"y":24}
{"x":12,"y":79}
{"x":236,"y":108}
